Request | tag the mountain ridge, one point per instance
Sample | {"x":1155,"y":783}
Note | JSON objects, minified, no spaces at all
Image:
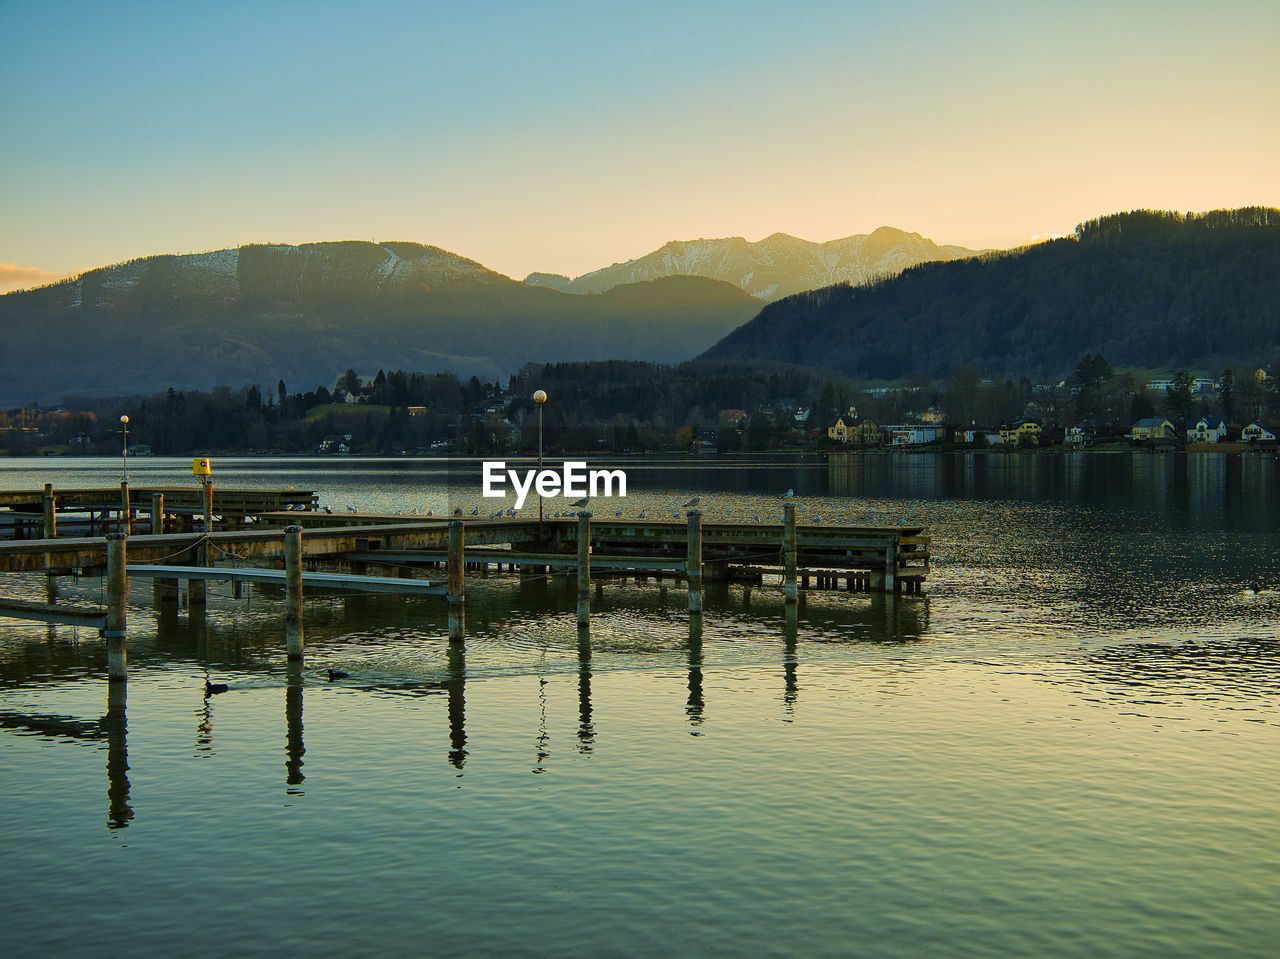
{"x":305,"y":313}
{"x":1149,"y":289}
{"x":778,"y":265}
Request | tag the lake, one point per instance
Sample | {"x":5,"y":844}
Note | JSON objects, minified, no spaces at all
{"x":1067,"y":746}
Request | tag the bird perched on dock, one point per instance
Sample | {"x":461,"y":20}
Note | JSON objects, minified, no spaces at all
{"x":693,"y":502}
{"x":642,"y":512}
{"x":458,"y":511}
{"x":328,"y":510}
{"x":476,"y":511}
{"x":789,"y":494}
{"x":583,"y":502}
{"x":351,"y":509}
{"x":337,"y":674}
{"x":212,"y":689}
{"x":617,"y":512}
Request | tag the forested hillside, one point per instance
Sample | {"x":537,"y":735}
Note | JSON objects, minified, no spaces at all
{"x":1146,"y":289}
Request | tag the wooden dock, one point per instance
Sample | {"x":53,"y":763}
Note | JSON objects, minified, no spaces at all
{"x":315,"y":550}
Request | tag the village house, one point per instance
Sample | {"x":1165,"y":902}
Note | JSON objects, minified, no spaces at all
{"x":1257,"y":433}
{"x":866,"y":433}
{"x":1012,"y":435}
{"x":840,"y":431}
{"x":1151,"y":428}
{"x":1207,"y":429}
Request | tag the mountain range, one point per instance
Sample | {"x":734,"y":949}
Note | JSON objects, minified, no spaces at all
{"x":777,"y":266}
{"x":1146,"y":289}
{"x":259,"y":313}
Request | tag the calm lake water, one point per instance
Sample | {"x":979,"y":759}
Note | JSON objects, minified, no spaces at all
{"x":1068,"y":746}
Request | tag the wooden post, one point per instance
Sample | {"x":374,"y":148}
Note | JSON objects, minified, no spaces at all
{"x":50,"y":513}
{"x":455,"y":589}
{"x":584,"y":568}
{"x":789,"y":552}
{"x":117,"y":599}
{"x":891,"y":567}
{"x":293,"y":591}
{"x":208,"y":505}
{"x":126,"y":514}
{"x":693,"y":564}
{"x":157,"y":513}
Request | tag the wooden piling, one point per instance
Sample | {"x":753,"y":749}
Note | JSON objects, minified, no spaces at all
{"x":117,"y":600}
{"x":693,"y":565}
{"x":126,"y":513}
{"x":157,"y":513}
{"x":891,"y":568}
{"x":455,"y":588}
{"x":584,"y":568}
{"x":293,"y":591}
{"x":50,"y":513}
{"x":789,"y":552}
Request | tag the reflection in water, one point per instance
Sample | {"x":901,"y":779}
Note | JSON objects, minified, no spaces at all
{"x":294,"y":749}
{"x":693,"y":707}
{"x":790,"y":630}
{"x":119,"y":812}
{"x":542,"y":750}
{"x":204,"y":730}
{"x":586,"y":730}
{"x":1153,"y":673}
{"x":457,"y":688}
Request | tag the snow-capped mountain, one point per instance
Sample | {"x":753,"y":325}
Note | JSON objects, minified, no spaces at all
{"x":777,"y":266}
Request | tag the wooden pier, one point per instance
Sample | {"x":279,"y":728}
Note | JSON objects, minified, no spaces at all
{"x":308,"y":550}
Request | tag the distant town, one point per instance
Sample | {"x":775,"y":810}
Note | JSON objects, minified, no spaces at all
{"x":631,"y":407}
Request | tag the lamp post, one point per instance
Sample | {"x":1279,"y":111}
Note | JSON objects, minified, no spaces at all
{"x":124,"y":447}
{"x":539,"y":398}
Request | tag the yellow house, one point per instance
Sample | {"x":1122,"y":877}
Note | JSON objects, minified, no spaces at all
{"x":839,"y":432}
{"x":865,"y":433}
{"x":1012,"y":435}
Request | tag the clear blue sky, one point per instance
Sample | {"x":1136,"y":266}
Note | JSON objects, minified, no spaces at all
{"x":566,"y":136}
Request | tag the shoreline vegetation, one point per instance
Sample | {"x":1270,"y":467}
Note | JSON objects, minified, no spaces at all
{"x":625,"y":407}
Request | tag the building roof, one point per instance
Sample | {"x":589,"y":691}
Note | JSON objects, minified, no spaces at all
{"x":1151,"y":421}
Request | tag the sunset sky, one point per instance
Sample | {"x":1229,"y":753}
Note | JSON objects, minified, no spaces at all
{"x":563,"y":137}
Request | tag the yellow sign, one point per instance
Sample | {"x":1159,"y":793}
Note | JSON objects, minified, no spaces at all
{"x":201,"y":467}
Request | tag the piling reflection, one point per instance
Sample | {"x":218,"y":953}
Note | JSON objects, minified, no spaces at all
{"x":790,"y":633}
{"x":294,"y":748}
{"x":456,"y":688}
{"x":694,"y":704}
{"x":115,"y":727}
{"x":586,"y":729}
{"x":543,"y":748}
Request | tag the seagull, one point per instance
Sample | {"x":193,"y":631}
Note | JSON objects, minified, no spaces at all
{"x":351,"y":509}
{"x":337,"y":674}
{"x":476,"y":511}
{"x":641,"y":516}
{"x":458,"y":511}
{"x":788,"y":494}
{"x":693,"y":502}
{"x":583,"y":502}
{"x":431,"y":512}
{"x":328,"y":510}
{"x":212,"y":689}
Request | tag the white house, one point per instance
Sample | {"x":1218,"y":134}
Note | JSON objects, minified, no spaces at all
{"x":1207,"y":429}
{"x":1255,"y":432}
